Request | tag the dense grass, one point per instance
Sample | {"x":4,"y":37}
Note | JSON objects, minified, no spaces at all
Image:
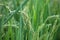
{"x":29,"y":20}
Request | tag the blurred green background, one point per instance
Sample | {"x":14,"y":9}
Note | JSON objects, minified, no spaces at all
{"x":29,"y":19}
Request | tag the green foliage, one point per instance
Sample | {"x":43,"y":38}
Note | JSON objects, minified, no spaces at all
{"x":29,"y":20}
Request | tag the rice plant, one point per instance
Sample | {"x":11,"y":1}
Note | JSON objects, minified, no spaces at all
{"x":29,"y":20}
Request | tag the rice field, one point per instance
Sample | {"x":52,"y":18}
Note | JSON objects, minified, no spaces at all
{"x":29,"y":19}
